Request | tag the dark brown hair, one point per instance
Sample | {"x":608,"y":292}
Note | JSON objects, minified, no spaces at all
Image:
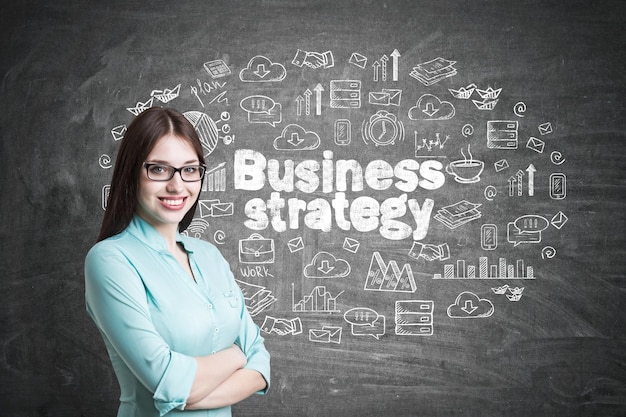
{"x":140,"y":138}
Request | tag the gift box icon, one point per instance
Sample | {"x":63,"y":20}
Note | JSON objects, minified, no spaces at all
{"x":256,"y":250}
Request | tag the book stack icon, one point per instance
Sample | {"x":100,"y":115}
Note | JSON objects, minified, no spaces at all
{"x":433,"y":71}
{"x":414,"y":317}
{"x":502,"y":134}
{"x":389,"y":277}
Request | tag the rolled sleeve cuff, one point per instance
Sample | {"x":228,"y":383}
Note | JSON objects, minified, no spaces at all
{"x":175,"y":386}
{"x":262,"y":366}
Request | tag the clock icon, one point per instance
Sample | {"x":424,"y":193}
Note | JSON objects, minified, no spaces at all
{"x":383,"y":128}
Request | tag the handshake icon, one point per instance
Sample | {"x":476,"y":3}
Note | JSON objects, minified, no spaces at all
{"x":282,"y":327}
{"x":430,"y":252}
{"x":314,"y":60}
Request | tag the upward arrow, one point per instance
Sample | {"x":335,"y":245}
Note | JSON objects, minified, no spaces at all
{"x":531,"y":179}
{"x":394,"y":56}
{"x":318,"y":98}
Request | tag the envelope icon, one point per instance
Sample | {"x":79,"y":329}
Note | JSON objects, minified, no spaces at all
{"x":295,"y":245}
{"x":358,"y":60}
{"x":118,"y":132}
{"x":221,"y":209}
{"x":379,"y":98}
{"x":351,"y":245}
{"x":327,"y":334}
{"x":535,"y":144}
{"x":206,"y":207}
{"x":394,"y":96}
{"x":559,"y":220}
{"x":501,"y":165}
{"x":545,"y":128}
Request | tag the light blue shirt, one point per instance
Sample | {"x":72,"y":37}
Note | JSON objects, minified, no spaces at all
{"x":154,"y":318}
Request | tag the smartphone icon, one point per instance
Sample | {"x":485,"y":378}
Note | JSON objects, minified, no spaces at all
{"x":342,"y":132}
{"x":489,"y":236}
{"x":557,"y":186}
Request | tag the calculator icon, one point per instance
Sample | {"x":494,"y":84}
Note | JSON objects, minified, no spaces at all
{"x":217,"y":68}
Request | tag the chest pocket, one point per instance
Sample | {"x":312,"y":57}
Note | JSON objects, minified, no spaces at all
{"x":232,"y":298}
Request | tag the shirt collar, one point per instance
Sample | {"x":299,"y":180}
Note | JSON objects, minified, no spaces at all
{"x":149,"y":236}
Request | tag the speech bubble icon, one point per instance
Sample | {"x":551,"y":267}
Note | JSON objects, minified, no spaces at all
{"x":365,"y":322}
{"x":531,"y":223}
{"x":257,"y":104}
{"x":262,"y":109}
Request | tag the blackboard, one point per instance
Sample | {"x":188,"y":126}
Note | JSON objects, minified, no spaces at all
{"x":498,"y":126}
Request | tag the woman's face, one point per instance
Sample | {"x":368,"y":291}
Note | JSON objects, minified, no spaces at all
{"x":163,"y":204}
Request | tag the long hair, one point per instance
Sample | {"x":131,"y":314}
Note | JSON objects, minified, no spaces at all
{"x":140,"y":138}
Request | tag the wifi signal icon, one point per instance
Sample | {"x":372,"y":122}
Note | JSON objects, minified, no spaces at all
{"x":197,"y":227}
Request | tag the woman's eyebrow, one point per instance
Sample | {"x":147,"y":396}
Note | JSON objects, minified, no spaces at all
{"x":163,"y":162}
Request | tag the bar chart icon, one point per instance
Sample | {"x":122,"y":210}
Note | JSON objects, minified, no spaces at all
{"x":318,"y":301}
{"x":215,"y":178}
{"x":501,"y":270}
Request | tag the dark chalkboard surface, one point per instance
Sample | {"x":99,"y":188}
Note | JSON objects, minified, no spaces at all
{"x":423,"y":202}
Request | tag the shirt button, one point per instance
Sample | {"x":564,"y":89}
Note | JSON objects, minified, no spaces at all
{"x":217,"y":330}
{"x":210,"y":306}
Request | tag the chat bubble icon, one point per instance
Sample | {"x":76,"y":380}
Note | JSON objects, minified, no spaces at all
{"x":262,"y":109}
{"x":531,"y":223}
{"x":365,"y":322}
{"x":526,"y":229}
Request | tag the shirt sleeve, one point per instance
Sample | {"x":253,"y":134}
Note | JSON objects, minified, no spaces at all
{"x":252,"y":343}
{"x":116,"y":301}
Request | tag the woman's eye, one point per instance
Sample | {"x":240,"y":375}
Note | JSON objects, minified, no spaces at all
{"x":158,"y":169}
{"x":191,"y":169}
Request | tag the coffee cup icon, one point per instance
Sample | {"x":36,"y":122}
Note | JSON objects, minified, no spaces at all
{"x":466,"y":171}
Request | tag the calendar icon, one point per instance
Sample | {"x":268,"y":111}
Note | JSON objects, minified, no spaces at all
{"x":217,"y":68}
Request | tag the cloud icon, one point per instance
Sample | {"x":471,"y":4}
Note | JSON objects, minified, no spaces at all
{"x":295,"y":138}
{"x":260,"y":69}
{"x":468,"y":306}
{"x":325,"y":265}
{"x":429,"y":107}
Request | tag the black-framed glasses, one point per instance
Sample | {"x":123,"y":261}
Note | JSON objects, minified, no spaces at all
{"x":161,"y":172}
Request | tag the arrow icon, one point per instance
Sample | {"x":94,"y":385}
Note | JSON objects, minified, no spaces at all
{"x":394,"y":56}
{"x":299,"y":101}
{"x":295,"y":139}
{"x":261,"y":71}
{"x":376,"y":65}
{"x":307,"y":102}
{"x":325,"y":268}
{"x":430,"y":109}
{"x":531,"y":179}
{"x":318,"y":97}
{"x":469,"y":307}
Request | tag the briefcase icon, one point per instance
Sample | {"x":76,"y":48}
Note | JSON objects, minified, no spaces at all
{"x":256,"y":250}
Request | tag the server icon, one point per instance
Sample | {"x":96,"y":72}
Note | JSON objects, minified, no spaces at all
{"x":414,"y":317}
{"x":345,"y":94}
{"x":502,"y":134}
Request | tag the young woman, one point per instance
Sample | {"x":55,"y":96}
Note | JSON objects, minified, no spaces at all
{"x":171,"y":315}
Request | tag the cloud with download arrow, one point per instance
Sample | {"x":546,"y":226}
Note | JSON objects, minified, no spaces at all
{"x":261,"y":69}
{"x":469,"y":306}
{"x":295,"y":138}
{"x":325,"y":265}
{"x":429,"y":107}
